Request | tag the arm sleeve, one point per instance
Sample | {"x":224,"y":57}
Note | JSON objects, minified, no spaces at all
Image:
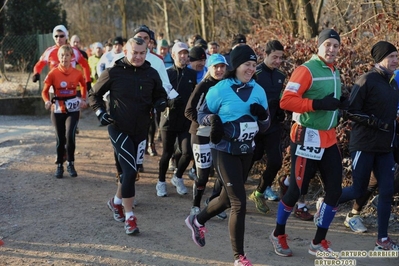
{"x":37,"y":69}
{"x":193,"y":102}
{"x":159,"y":92}
{"x":164,"y":77}
{"x":48,"y":81}
{"x":86,"y":68}
{"x":298,"y":84}
{"x":98,"y":90}
{"x":101,"y":65}
{"x":204,"y":115}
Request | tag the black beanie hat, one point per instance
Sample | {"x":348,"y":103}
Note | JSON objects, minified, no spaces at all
{"x":142,"y":28}
{"x":327,"y":34}
{"x":238,"y":39}
{"x":382,"y":49}
{"x":242,"y":54}
{"x":196,"y":53}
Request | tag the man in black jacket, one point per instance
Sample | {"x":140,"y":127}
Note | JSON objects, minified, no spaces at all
{"x":135,"y":87}
{"x":272,"y":81}
{"x":174,"y":124}
{"x":373,"y":107}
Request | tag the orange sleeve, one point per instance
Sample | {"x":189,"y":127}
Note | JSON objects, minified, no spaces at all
{"x":299,"y":83}
{"x":86,"y":68}
{"x":46,"y":88}
{"x":43,"y":61}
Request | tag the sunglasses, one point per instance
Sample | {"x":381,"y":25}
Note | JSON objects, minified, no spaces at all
{"x":59,"y":36}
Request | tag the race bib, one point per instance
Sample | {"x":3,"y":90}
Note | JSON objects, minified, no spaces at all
{"x":248,"y":131}
{"x":202,"y":155}
{"x":72,"y":105}
{"x":314,"y":153}
{"x":140,"y":151}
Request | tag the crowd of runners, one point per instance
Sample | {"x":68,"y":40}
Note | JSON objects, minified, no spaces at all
{"x":216,"y":115}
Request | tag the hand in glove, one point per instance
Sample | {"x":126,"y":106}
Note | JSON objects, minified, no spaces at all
{"x":377,"y":123}
{"x":328,"y":103}
{"x":217,"y":130}
{"x":176,"y":102}
{"x":36,"y":77}
{"x":160,"y":105}
{"x":258,"y":110}
{"x":280,"y":115}
{"x":104,"y":118}
{"x":344,"y":103}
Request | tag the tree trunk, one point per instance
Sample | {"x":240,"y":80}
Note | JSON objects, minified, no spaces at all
{"x":166,"y":16}
{"x":292,"y":21}
{"x":309,"y":25}
{"x":203,"y":26}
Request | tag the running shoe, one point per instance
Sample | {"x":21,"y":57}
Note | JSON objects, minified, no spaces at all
{"x":192,"y":174}
{"x":221,"y":216}
{"x":195,"y":210}
{"x":388,"y":244}
{"x":323,"y":247}
{"x":317,"y":214}
{"x":269,"y":194}
{"x":374,"y":202}
{"x":71,"y":169}
{"x":161,"y":189}
{"x":131,"y":226}
{"x":198,"y":233}
{"x":117,"y":209}
{"x":280,"y":245}
{"x":355,"y":223}
{"x":179,"y":184}
{"x":303,"y":213}
{"x":260,"y":203}
{"x":242,"y":261}
{"x":172,"y":165}
{"x":151,"y":149}
{"x":60,"y":171}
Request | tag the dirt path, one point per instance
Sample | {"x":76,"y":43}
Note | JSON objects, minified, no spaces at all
{"x":46,"y":221}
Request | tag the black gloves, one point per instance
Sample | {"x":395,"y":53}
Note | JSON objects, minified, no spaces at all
{"x":280,"y":115}
{"x":258,"y":110}
{"x":105,"y":118}
{"x":344,"y":103}
{"x":160,"y":105}
{"x":328,"y":103}
{"x":36,"y":77}
{"x":217,"y":130}
{"x":176,"y":102}
{"x":377,"y":123}
{"x":88,"y":86}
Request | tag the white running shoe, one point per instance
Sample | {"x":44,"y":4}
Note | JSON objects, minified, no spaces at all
{"x":179,"y":184}
{"x":161,"y":189}
{"x":355,"y":223}
{"x":195,"y":210}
